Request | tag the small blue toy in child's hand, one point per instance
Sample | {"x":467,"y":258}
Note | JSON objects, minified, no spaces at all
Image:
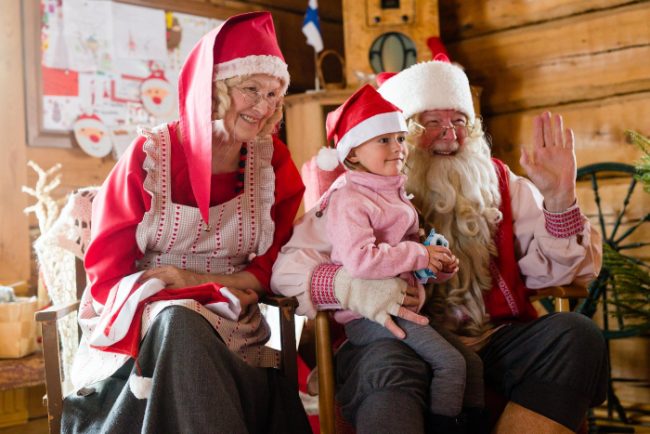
{"x":433,"y":239}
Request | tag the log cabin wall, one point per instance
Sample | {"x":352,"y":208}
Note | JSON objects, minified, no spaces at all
{"x":588,"y":60}
{"x":78,"y":168}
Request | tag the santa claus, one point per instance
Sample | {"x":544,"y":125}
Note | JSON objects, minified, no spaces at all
{"x":511,"y":234}
{"x":92,"y":135}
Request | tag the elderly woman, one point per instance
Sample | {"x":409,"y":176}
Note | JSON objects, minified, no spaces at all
{"x":185,"y":231}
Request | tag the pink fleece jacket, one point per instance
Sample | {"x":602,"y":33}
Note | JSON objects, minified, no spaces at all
{"x":373,"y":227}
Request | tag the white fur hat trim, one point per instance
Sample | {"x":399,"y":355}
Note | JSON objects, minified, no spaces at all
{"x":250,"y":65}
{"x":429,"y":86}
{"x":327,"y":159}
{"x":384,"y":123}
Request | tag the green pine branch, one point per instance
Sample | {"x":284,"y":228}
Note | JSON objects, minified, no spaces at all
{"x":631,"y":283}
{"x":643,"y":165}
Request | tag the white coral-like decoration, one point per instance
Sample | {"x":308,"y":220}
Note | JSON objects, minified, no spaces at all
{"x":56,"y":264}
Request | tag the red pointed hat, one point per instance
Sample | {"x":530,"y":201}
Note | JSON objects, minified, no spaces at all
{"x":383,"y":76}
{"x":360,"y":118}
{"x":244,"y":44}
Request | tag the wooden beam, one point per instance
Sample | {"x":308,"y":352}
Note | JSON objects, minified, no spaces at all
{"x":79,"y":169}
{"x":597,"y":32}
{"x":574,"y":59}
{"x":14,"y":234}
{"x":462,"y":19}
{"x":598,"y":127}
{"x":328,"y":10}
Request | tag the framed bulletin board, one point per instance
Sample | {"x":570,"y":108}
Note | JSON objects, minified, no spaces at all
{"x":112,"y":62}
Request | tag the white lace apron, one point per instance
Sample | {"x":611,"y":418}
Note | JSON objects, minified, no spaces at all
{"x":174,"y":234}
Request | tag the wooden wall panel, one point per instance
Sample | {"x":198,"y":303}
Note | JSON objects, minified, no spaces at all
{"x":79,"y":170}
{"x":575,"y":59}
{"x":14,"y":237}
{"x":598,"y":126}
{"x":328,"y":10}
{"x":462,"y":19}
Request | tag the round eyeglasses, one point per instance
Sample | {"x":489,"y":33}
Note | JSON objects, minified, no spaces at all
{"x":253,"y":96}
{"x":439,"y":130}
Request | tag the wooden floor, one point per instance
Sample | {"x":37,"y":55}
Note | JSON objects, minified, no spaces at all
{"x":34,"y":426}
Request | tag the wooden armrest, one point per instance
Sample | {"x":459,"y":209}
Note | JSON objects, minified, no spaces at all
{"x":325,"y":365}
{"x":54,"y":313}
{"x":568,"y":291}
{"x":280,"y":301}
{"x":287,"y":306}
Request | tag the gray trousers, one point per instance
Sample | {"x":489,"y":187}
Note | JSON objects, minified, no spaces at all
{"x":199,"y":386}
{"x":457,"y":371}
{"x":555,"y":366}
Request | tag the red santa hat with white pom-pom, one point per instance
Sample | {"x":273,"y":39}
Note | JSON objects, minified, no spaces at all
{"x":360,"y":118}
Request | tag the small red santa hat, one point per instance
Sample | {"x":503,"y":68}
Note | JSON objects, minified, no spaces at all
{"x":155,"y":79}
{"x":360,"y":118}
{"x":91,"y":117}
{"x":436,"y":84}
{"x":242,"y":45}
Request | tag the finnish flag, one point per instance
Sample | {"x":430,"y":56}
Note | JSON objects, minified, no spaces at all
{"x":311,"y":26}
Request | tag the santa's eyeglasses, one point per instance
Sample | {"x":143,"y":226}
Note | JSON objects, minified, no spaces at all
{"x":438,"y":129}
{"x":253,"y":96}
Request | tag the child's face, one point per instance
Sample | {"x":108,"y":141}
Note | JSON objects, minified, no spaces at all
{"x":382,"y":155}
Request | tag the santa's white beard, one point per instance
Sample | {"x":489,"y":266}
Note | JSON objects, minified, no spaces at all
{"x":459,"y":197}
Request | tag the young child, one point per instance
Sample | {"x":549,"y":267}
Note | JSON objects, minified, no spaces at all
{"x":374,"y":228}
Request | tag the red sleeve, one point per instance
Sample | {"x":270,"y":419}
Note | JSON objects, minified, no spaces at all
{"x":118,"y":208}
{"x":288,"y":194}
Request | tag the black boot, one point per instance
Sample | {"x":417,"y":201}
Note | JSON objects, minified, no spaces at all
{"x":477,"y":420}
{"x":437,"y":424}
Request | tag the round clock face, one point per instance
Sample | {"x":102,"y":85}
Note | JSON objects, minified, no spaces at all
{"x":392,"y":52}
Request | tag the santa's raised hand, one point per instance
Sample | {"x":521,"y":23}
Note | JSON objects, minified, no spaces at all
{"x":551,"y":163}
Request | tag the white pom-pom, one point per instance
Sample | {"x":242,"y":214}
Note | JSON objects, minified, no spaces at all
{"x":327,"y":159}
{"x":140,"y":386}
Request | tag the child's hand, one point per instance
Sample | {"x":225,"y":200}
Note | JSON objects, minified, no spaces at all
{"x":450,"y":267}
{"x":440,"y":258}
{"x":247,"y":297}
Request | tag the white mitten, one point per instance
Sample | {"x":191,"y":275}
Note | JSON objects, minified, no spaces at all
{"x":374,"y":299}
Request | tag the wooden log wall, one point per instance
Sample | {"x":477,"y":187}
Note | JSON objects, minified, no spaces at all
{"x":589,"y":60}
{"x":78,"y":168}
{"x":14,"y":237}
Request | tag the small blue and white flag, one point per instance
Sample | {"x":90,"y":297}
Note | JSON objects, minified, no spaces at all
{"x":311,"y":26}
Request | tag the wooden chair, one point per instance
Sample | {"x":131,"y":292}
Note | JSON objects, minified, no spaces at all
{"x":327,"y":411}
{"x":49,"y":317}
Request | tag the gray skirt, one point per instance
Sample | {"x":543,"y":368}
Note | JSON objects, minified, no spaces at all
{"x":199,"y":386}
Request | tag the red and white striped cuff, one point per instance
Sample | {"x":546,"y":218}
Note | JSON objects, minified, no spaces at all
{"x":564,"y":224}
{"x":322,"y":287}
